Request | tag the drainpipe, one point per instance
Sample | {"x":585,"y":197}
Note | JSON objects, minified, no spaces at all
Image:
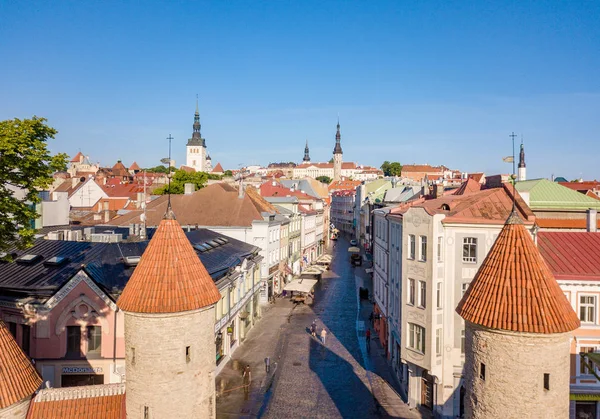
{"x":115,"y":342}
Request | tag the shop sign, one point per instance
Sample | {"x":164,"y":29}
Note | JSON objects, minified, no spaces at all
{"x":81,"y":370}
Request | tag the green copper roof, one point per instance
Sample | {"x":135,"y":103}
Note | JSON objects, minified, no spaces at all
{"x":544,"y":194}
{"x":378,"y":186}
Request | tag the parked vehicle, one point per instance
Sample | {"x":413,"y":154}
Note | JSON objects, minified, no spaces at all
{"x":353,"y":242}
{"x":356,"y":259}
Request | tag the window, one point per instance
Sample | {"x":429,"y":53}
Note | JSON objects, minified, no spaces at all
{"x":74,"y":341}
{"x":12,"y":328}
{"x":26,"y":339}
{"x":132,"y":356}
{"x":411,"y":246}
{"x":146,"y":412}
{"x":462,"y":341}
{"x":411,"y":292}
{"x":482,"y":371}
{"x":463,"y":288}
{"x":94,"y":337}
{"x":438,"y":295}
{"x":470,"y":250}
{"x":583,"y":361}
{"x":438,"y":342}
{"x":423,"y":254}
{"x":188,"y":354}
{"x":546,"y":381}
{"x":416,"y":337}
{"x":587,"y":308}
{"x":422,"y":294}
{"x":440,"y":249}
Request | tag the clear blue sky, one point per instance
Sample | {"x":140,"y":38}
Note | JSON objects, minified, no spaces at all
{"x":428,"y":82}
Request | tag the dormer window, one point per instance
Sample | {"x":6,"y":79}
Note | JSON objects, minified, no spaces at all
{"x":28,"y":259}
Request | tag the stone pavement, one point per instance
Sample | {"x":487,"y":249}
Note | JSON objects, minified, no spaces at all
{"x":312,"y":380}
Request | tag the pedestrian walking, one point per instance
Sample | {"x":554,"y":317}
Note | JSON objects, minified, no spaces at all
{"x":267,"y":364}
{"x":313,"y":329}
{"x":247,"y":377}
{"x":323,"y":335}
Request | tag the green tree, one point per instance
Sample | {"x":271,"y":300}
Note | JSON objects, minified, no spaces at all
{"x":160,"y":169}
{"x":228,"y":173}
{"x":324,"y":179}
{"x":180,"y":178}
{"x":391,"y":169}
{"x":26,"y":167}
{"x":331,"y":160}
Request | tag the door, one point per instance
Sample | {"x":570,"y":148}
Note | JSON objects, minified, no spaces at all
{"x":426,"y":392}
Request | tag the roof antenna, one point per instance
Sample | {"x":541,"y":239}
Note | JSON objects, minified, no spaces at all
{"x":169,"y":214}
{"x":514,"y":176}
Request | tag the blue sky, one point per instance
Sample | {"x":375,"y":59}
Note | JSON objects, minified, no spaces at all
{"x":417,"y":82}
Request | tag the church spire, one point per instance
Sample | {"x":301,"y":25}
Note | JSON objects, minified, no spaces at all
{"x":338,"y":137}
{"x":306,"y":158}
{"x":196,"y":136}
{"x":522,"y":170}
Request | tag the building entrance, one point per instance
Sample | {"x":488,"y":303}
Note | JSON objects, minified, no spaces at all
{"x":75,"y":380}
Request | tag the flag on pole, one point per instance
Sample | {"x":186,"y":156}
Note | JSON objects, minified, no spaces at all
{"x":508,"y":159}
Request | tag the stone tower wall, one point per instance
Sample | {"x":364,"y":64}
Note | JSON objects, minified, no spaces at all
{"x":337,"y":166}
{"x":200,"y":158}
{"x":17,"y":410}
{"x":515,"y":364}
{"x":160,"y":377}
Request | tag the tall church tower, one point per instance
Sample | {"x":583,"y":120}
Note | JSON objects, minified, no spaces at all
{"x":168,"y":305}
{"x":196,"y":146}
{"x":518,"y":330}
{"x":337,"y":155}
{"x":522,"y":171}
{"x":306,"y":158}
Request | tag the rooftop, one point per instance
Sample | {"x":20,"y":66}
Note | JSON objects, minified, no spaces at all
{"x":544,"y":194}
{"x":571,"y":255}
{"x":169,"y":277}
{"x":514,"y":290}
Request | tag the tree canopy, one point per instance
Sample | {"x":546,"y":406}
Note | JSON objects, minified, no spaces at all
{"x":331,"y":160}
{"x":26,"y":167}
{"x":181,"y":177}
{"x":228,"y":173}
{"x":160,"y":169}
{"x":324,"y":179}
{"x":391,"y":169}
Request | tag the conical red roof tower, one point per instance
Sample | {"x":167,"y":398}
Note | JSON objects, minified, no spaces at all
{"x":18,"y":377}
{"x":514,"y":289}
{"x":170,"y":276}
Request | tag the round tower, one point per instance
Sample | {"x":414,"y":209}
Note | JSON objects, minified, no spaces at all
{"x":517,"y":340}
{"x":337,"y":155}
{"x":168,"y":305}
{"x":18,"y":378}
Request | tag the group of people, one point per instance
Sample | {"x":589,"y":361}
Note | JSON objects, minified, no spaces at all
{"x":313,"y":332}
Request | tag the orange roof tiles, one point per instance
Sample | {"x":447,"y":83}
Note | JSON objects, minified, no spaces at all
{"x":571,"y":255}
{"x":514,"y":289}
{"x":134,"y":166}
{"x":18,"y":377}
{"x":218,"y":168}
{"x":573,"y":224}
{"x":105,"y":401}
{"x":169,"y":277}
{"x":470,"y":185}
{"x":77,"y":157}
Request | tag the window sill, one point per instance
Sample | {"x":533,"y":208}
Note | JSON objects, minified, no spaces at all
{"x":470,"y":263}
{"x":415,"y":350}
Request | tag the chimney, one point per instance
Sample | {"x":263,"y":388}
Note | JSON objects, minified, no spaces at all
{"x":241,"y":190}
{"x":106,"y":216}
{"x":592,"y":220}
{"x":189,"y":188}
{"x":438,"y":190}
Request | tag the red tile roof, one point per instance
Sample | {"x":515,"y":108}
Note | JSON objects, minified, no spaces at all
{"x":170,"y":277}
{"x":106,"y":401}
{"x":218,"y":168}
{"x":345,"y":165}
{"x":18,"y":377}
{"x":571,"y":255}
{"x":119,"y":169}
{"x":470,"y":185}
{"x":188,"y":169}
{"x":476,"y":176}
{"x":422,"y":168}
{"x":344,"y":184}
{"x":269,"y":190}
{"x":77,"y":157}
{"x":581,"y":186}
{"x":123,"y":190}
{"x":134,"y":166}
{"x":514,"y":289}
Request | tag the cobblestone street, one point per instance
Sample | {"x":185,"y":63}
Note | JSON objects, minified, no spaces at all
{"x":309,"y":379}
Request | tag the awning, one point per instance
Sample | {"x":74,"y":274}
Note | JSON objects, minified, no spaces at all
{"x":324,"y":259}
{"x":301,"y":285}
{"x":313,"y":270}
{"x":353,"y":250}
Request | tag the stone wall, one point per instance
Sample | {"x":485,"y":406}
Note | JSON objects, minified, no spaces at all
{"x":515,"y":364}
{"x":17,"y":410}
{"x":159,"y":375}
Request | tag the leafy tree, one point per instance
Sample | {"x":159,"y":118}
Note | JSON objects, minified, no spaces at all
{"x":324,"y":179}
{"x":391,"y":169}
{"x":160,"y":169}
{"x":26,"y":167}
{"x":228,"y":173}
{"x":180,"y":178}
{"x":331,"y":160}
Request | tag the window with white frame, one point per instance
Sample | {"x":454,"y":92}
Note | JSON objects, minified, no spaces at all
{"x":423,"y":253}
{"x":587,"y":308}
{"x":411,"y":246}
{"x":422,"y":294}
{"x":438,"y":295}
{"x":438,"y":342}
{"x":469,"y":250}
{"x":440,"y":249}
{"x":416,"y":337}
{"x":463,"y":288}
{"x":411,"y":291}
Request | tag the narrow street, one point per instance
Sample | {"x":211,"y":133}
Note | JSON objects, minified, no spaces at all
{"x":309,"y":379}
